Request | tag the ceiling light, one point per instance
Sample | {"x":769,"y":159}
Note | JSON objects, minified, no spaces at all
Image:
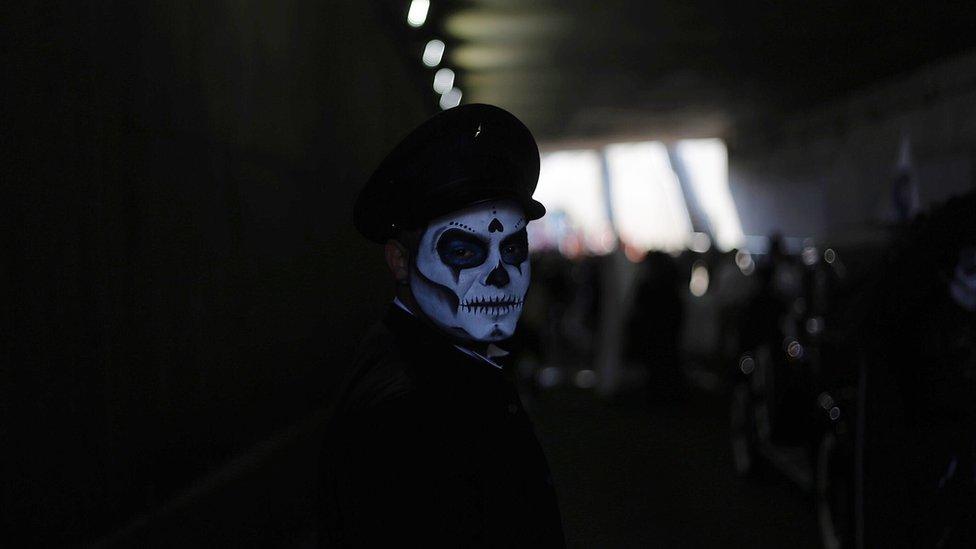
{"x":451,"y":99}
{"x":418,"y":12}
{"x":433,"y":53}
{"x":443,"y":80}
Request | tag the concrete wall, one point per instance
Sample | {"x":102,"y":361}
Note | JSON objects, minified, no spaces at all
{"x":183,"y":275}
{"x":829,"y":171}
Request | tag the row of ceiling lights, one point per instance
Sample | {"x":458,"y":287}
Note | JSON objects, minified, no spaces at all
{"x":432,"y":56}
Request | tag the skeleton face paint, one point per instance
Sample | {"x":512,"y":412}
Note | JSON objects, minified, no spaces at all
{"x":472,"y":271}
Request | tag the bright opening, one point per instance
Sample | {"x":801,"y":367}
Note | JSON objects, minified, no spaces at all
{"x":571,"y":187}
{"x":707,"y":164}
{"x":649,"y":210}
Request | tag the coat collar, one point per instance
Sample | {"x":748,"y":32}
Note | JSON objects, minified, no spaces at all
{"x":428,"y":341}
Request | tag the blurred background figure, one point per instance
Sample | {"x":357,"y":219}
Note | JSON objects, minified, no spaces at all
{"x":653,"y":328}
{"x":759,"y":215}
{"x":920,"y":405}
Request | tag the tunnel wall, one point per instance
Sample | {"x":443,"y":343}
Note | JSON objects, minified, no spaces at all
{"x":829,"y":171}
{"x":182,"y":275}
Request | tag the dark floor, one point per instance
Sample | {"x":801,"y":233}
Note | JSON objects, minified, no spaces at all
{"x":629,"y":477}
{"x":626,"y":477}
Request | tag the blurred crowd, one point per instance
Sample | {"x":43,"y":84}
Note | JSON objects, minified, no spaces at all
{"x":850,"y":367}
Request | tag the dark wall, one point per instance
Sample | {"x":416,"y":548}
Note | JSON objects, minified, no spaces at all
{"x":182,"y":275}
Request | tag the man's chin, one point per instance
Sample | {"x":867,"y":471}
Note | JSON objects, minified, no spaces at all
{"x":493,"y":335}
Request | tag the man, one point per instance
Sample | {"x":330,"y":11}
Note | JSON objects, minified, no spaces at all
{"x":430,"y":445}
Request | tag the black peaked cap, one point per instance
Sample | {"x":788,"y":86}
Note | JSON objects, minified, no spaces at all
{"x":457,"y":158}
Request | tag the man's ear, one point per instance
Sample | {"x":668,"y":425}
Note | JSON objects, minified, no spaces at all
{"x":398,"y":260}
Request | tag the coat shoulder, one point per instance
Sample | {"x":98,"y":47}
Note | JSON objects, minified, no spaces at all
{"x":380,"y":373}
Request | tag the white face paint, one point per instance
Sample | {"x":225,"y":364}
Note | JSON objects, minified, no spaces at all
{"x":472,"y":271}
{"x":962,"y":287}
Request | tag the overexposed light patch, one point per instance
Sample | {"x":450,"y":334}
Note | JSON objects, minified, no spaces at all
{"x":649,"y":210}
{"x":418,"y":12}
{"x":451,"y":99}
{"x":707,"y":164}
{"x":443,"y":80}
{"x":433,"y":52}
{"x":571,"y":187}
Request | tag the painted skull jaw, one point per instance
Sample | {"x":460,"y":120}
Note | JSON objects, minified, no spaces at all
{"x":471,"y":271}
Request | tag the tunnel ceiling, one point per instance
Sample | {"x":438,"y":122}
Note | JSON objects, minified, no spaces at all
{"x":577,"y":69}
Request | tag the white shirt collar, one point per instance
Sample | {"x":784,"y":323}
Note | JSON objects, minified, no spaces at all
{"x":398,"y":303}
{"x":479,"y":356}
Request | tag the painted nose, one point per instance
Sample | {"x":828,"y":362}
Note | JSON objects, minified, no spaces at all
{"x":497,"y":277}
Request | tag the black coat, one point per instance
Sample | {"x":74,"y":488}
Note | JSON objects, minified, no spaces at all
{"x":431,"y":447}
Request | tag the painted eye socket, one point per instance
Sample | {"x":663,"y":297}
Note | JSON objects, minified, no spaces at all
{"x":515,"y":249}
{"x":460,"y":250}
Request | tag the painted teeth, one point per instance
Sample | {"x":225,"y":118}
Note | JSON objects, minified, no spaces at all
{"x":493,"y":305}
